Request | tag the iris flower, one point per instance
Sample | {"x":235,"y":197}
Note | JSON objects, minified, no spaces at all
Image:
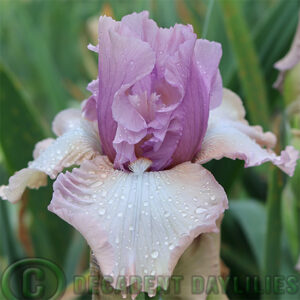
{"x":138,"y":192}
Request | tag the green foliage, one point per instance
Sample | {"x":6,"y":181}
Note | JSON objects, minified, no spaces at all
{"x":45,"y":67}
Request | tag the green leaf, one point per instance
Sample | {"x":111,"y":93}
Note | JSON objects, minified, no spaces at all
{"x":164,"y":12}
{"x":73,"y":255}
{"x":207,"y":18}
{"x":20,"y":128}
{"x":251,"y":216}
{"x":250,"y":74}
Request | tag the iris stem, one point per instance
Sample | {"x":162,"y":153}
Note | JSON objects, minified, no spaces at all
{"x":272,"y":247}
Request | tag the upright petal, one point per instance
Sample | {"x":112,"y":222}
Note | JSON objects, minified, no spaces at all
{"x":138,"y":223}
{"x":123,"y":60}
{"x":204,"y":83}
{"x":230,"y":135}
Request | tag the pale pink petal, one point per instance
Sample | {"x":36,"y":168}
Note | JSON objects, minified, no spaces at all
{"x":66,"y":120}
{"x":229,"y":135}
{"x":22,"y":179}
{"x":290,"y":60}
{"x":51,"y":157}
{"x":138,"y":223}
{"x":41,"y":146}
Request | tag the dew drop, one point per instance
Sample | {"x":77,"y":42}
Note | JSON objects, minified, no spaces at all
{"x":129,"y":205}
{"x":120,"y":214}
{"x":171,"y":247}
{"x":103,"y":175}
{"x":213,"y":198}
{"x":101,"y":211}
{"x":200,"y":210}
{"x":154,"y":254}
{"x":167,"y":214}
{"x":130,"y":228}
{"x":146,"y":203}
{"x":104,"y":193}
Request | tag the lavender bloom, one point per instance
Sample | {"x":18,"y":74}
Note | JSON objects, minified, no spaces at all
{"x":154,"y":91}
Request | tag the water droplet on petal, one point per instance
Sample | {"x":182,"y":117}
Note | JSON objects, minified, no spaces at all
{"x":213,"y":197}
{"x":154,"y":254}
{"x":171,"y":247}
{"x":101,"y":211}
{"x":200,"y":210}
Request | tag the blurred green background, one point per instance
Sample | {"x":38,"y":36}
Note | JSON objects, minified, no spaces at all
{"x":45,"y":67}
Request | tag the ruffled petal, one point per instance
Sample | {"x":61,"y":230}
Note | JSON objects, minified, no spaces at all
{"x":41,"y":146}
{"x":203,"y":85}
{"x":66,"y":120}
{"x":89,"y":108}
{"x":165,"y":81}
{"x":52,"y":156}
{"x":22,"y":179}
{"x":138,"y":223}
{"x":229,"y":135}
{"x":123,"y":60}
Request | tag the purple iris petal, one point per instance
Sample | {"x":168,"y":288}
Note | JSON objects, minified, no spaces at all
{"x":155,"y":89}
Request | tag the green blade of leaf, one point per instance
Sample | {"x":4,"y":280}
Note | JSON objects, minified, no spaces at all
{"x":20,"y":128}
{"x":207,"y":18}
{"x":250,"y":74}
{"x":251,"y":215}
